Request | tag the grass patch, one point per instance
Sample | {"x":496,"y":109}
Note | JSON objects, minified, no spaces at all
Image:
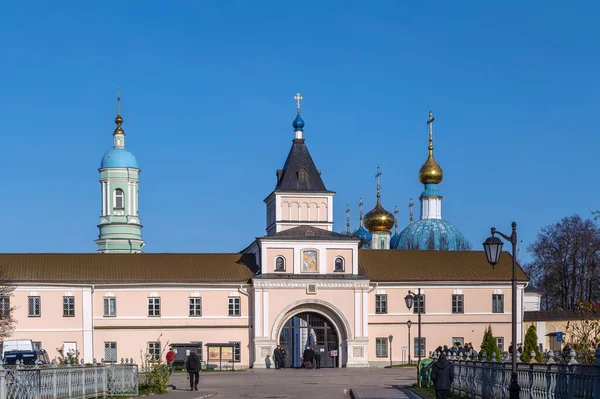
{"x":429,"y":393}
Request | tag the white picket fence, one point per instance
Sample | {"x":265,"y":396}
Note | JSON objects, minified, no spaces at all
{"x":68,"y":382}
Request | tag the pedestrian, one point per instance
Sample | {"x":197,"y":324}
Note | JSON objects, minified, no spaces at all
{"x":170,"y":360}
{"x":277,"y":356}
{"x":192,"y":365}
{"x":442,"y":374}
{"x":307,"y":357}
{"x":318,"y":359}
{"x":282,"y":354}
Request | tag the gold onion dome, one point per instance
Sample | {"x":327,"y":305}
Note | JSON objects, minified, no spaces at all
{"x":431,"y":172}
{"x":379,"y":219}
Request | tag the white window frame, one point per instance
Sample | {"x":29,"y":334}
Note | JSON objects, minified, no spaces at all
{"x":34,"y":306}
{"x":500,"y":343}
{"x":417,"y":304}
{"x":234,"y":306}
{"x":335,"y":269}
{"x":381,"y":304}
{"x":5,"y":306}
{"x":154,"y":306}
{"x":195,"y":306}
{"x":68,"y":306}
{"x":153,"y":350}
{"x":237,"y":351}
{"x":458,"y":304}
{"x":107,"y":310}
{"x":381,"y":347}
{"x":107,"y":345}
{"x":119,"y":193}
{"x":497,"y":303}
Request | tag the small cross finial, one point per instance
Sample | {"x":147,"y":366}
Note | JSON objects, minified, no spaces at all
{"x":118,"y":100}
{"x":430,"y":123}
{"x":410,"y":207}
{"x":378,"y":175}
{"x":348,"y":218}
{"x":360,"y":204}
{"x":396,"y":218}
{"x":298,"y":98}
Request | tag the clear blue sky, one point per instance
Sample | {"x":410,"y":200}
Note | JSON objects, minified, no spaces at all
{"x":207,"y":97}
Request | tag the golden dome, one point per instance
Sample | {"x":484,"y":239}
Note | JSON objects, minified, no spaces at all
{"x":379,"y":219}
{"x":430,"y":172}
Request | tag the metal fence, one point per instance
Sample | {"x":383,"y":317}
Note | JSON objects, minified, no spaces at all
{"x":68,"y":382}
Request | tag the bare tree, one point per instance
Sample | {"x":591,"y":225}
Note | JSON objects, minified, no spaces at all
{"x":565,"y":263}
{"x":7,"y":322}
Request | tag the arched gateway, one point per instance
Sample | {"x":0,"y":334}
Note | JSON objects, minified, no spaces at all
{"x":314,"y":323}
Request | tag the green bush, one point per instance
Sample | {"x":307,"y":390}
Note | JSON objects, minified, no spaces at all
{"x":531,"y":344}
{"x":489,"y":345}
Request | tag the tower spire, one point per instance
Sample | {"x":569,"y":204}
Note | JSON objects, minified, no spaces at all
{"x":348,"y":219}
{"x":410,"y":210}
{"x":395,"y":219}
{"x":119,"y":133}
{"x":298,"y":122}
{"x":360,"y":204}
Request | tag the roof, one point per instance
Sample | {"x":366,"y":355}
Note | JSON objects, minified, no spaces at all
{"x":93,"y":268}
{"x":431,"y":234}
{"x":119,"y":158}
{"x":306,"y":232}
{"x":556,"y":315}
{"x":291,"y":177}
{"x":410,"y":265}
{"x":531,"y":289}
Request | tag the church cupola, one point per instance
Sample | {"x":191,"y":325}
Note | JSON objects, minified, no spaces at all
{"x":379,"y":221}
{"x":120,"y":227}
{"x":300,"y":196}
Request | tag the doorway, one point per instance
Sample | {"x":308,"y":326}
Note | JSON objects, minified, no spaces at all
{"x":309,"y":329}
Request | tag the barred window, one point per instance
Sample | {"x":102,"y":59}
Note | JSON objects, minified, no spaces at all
{"x":416,"y":346}
{"x":460,"y":340}
{"x":153,"y":351}
{"x":110,"y":352}
{"x":68,"y":306}
{"x":381,"y":303}
{"x":500,"y":343}
{"x":381,"y":347}
{"x":497,"y":303}
{"x":4,"y":306}
{"x":34,"y":306}
{"x":458,"y":303}
{"x":110,"y":307}
{"x":419,"y":304}
{"x":196,"y":307}
{"x":154,"y":307}
{"x":235,"y":306}
{"x":237,"y":351}
{"x":198,"y":348}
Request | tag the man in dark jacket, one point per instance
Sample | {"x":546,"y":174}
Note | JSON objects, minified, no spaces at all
{"x":192,"y":365}
{"x":442,"y":374}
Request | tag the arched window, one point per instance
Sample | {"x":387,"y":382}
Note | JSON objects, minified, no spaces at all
{"x":119,"y":199}
{"x":382,"y":244}
{"x":339,"y":264}
{"x":280,"y":264}
{"x":303,"y":176}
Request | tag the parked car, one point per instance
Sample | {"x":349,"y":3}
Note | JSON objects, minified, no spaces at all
{"x":28,"y":357}
{"x":16,"y":345}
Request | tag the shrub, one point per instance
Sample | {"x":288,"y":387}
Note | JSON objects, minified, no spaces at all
{"x":489,"y":345}
{"x":531,"y":344}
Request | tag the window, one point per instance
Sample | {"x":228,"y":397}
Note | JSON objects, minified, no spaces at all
{"x":34,"y":306}
{"x":458,"y":303}
{"x":381,"y":347}
{"x":237,"y":351}
{"x":234,"y":306}
{"x":280,"y":264}
{"x":153,"y":351}
{"x":110,"y":307}
{"x":381,"y":303}
{"x":302,"y":176}
{"x":382,"y":244}
{"x":154,"y":307}
{"x":339,"y":265}
{"x":500,"y":343}
{"x":460,"y":340}
{"x":419,"y":304}
{"x":68,"y":306}
{"x":196,"y":307}
{"x":416,"y":346}
{"x":119,"y":199}
{"x":198,"y":345}
{"x":37,"y":345}
{"x":498,"y":303}
{"x":4,"y":306}
{"x":110,"y":352}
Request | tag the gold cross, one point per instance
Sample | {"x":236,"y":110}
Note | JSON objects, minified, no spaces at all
{"x":298,"y":98}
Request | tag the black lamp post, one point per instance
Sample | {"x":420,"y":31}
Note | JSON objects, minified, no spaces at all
{"x":493,"y":250}
{"x":391,"y":337}
{"x":409,"y":323}
{"x":410,"y":300}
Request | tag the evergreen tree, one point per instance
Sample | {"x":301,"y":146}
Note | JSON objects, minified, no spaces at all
{"x":489,"y":345}
{"x":531,"y":344}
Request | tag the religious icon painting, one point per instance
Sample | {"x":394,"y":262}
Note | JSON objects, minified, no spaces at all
{"x":309,"y":261}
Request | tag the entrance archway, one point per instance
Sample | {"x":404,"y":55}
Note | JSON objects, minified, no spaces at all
{"x":310,"y":329}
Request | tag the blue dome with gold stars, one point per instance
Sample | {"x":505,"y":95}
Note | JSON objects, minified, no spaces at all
{"x":364,"y":235}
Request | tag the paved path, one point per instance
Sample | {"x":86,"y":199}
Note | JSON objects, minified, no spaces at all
{"x":370,"y":383}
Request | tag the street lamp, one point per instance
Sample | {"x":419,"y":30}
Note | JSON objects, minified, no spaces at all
{"x":493,"y":249}
{"x":391,"y":337}
{"x":409,"y":323}
{"x":410,"y":300}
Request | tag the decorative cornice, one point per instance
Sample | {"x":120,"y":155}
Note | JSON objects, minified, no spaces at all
{"x":305,"y":283}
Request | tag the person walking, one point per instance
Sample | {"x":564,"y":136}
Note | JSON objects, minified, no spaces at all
{"x":170,"y":359}
{"x":317,"y":359}
{"x":277,"y":356}
{"x":442,"y":374}
{"x":307,"y":357}
{"x":192,"y":365}
{"x":282,"y":354}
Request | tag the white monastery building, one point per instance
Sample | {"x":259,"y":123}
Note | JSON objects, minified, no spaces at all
{"x":300,"y":284}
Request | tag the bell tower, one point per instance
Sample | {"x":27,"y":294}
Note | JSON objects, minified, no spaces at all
{"x":120,"y":227}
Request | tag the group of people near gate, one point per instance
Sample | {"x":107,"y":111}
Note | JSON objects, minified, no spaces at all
{"x":310,"y":358}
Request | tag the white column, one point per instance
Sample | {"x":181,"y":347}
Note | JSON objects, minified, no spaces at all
{"x":365,"y":314}
{"x":519,"y":313}
{"x":103,"y":198}
{"x":322,"y":260}
{"x":431,"y":208}
{"x":88,"y":325}
{"x":108,"y":198}
{"x":257,"y":313}
{"x":266,"y":313}
{"x":357,"y":314}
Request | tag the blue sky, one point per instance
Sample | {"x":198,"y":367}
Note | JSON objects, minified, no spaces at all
{"x":207,"y":97}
